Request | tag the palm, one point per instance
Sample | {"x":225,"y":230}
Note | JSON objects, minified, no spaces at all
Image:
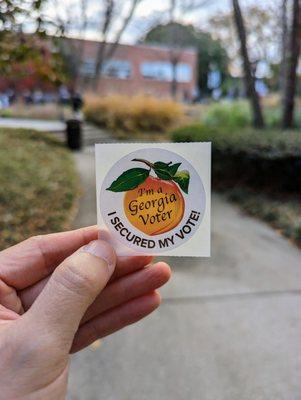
{"x":25,"y":270}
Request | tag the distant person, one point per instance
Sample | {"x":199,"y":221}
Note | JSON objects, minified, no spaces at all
{"x":64,"y":95}
{"x":38,"y":96}
{"x":77,"y":105}
{"x":11,"y":95}
{"x":58,"y":294}
{"x":27,"y":97}
{"x":63,"y":100}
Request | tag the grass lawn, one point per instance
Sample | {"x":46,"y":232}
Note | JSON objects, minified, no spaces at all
{"x":38,"y":185}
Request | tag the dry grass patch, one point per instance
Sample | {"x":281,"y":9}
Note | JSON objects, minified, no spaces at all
{"x":51,"y":111}
{"x":38,"y":185}
{"x":133,"y":114}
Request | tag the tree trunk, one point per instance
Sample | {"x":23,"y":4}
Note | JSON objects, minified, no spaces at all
{"x":78,"y":79}
{"x":174,"y":54}
{"x":113,"y":47}
{"x":98,"y":65}
{"x":108,"y":15}
{"x":249,"y":79}
{"x":283,"y":66}
{"x":292,"y":64}
{"x":174,"y":82}
{"x":107,"y":50}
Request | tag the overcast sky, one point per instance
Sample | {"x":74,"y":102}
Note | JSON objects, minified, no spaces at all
{"x":150,"y":7}
{"x":147,"y":13}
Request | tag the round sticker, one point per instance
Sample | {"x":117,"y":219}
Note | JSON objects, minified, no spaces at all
{"x":152,"y":200}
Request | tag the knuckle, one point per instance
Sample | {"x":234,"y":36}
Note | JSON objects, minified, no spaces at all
{"x":35,"y":240}
{"x":9,"y":298}
{"x":74,"y":279}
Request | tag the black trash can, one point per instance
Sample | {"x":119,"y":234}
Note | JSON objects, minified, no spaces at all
{"x":74,"y":134}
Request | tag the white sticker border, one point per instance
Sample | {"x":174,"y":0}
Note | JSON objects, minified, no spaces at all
{"x":198,"y":154}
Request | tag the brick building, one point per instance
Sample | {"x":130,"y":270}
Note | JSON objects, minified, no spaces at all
{"x":143,"y":69}
{"x":133,"y":69}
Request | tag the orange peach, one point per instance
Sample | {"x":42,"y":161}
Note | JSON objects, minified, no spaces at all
{"x":154,"y":207}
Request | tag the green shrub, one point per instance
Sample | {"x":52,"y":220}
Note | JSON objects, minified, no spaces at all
{"x":38,"y":185}
{"x":231,"y":115}
{"x":259,"y":170}
{"x":266,"y":160}
{"x":273,"y":117}
{"x":5,"y":113}
{"x":132,"y":114}
{"x":266,"y":143}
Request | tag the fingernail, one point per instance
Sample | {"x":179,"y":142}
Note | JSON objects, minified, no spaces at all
{"x":103,"y":250}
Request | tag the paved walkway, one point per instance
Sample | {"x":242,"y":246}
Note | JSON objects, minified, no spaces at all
{"x":229,"y":327}
{"x":37,"y":124}
{"x":91,"y":134}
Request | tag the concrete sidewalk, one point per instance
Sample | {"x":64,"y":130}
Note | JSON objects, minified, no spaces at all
{"x":229,"y":327}
{"x":36,"y":124}
{"x":90,"y":133}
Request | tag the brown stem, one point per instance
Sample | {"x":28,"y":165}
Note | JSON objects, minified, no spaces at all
{"x":149,"y":164}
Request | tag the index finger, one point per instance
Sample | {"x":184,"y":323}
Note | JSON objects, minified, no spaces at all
{"x":125,"y":266}
{"x":28,"y":262}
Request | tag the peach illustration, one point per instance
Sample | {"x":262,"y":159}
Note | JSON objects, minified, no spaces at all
{"x":153,"y":205}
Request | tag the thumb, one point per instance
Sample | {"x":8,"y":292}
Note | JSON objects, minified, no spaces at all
{"x":72,"y":287}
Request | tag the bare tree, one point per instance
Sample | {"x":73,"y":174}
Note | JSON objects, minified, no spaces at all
{"x":294,"y":45}
{"x":263,"y":29}
{"x":81,"y":46}
{"x":106,"y":50}
{"x":258,"y":120}
{"x":77,"y":19}
{"x":175,"y":53}
{"x":126,"y":21}
{"x":107,"y":20}
{"x":175,"y":42}
{"x":284,"y":29}
{"x":69,"y":21}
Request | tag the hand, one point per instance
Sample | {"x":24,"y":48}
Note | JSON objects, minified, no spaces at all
{"x":58,"y":294}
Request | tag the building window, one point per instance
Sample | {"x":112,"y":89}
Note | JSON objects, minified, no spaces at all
{"x":117,"y":69}
{"x":163,"y":71}
{"x":111,"y":68}
{"x":88,"y":67}
{"x":158,"y":70}
{"x":184,"y":72}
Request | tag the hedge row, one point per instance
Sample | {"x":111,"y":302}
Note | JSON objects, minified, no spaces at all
{"x":269,"y":160}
